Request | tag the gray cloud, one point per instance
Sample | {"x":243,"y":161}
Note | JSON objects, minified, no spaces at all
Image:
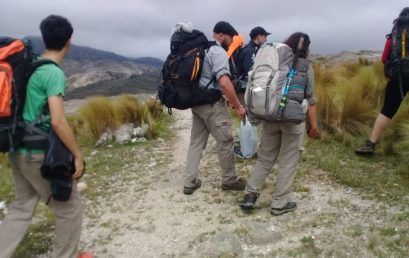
{"x":141,"y":28}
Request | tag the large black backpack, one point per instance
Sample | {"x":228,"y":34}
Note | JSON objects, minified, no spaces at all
{"x":181,"y":72}
{"x":17,"y":63}
{"x":398,"y":63}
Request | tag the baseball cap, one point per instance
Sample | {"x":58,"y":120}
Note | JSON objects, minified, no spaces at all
{"x":225,"y":28}
{"x":258,"y":31}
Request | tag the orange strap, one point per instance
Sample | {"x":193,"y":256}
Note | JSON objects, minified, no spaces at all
{"x":11,"y":49}
{"x":238,"y":41}
{"x":6,"y":76}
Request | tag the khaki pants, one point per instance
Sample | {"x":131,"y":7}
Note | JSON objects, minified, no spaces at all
{"x":282,"y":142}
{"x":29,"y":188}
{"x":215,"y":120}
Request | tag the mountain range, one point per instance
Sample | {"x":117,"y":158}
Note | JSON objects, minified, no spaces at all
{"x":92,"y":71}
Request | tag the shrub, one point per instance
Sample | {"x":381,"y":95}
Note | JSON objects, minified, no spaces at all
{"x":99,"y":115}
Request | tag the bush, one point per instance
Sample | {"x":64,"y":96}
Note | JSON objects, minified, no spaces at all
{"x":99,"y":115}
{"x":350,"y":97}
{"x":127,"y":109}
{"x":102,"y":114}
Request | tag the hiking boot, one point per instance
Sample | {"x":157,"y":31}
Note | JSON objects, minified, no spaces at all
{"x":289,"y":207}
{"x":237,"y":152}
{"x":249,"y":201}
{"x":190,"y":190}
{"x":239,"y":185}
{"x":368,"y":149}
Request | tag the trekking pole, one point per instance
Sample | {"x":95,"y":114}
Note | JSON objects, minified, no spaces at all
{"x":284,"y":99}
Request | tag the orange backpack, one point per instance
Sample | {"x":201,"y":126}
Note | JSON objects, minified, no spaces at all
{"x":17,"y":63}
{"x":6,"y":76}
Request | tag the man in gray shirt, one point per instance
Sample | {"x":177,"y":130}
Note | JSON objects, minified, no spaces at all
{"x":215,"y":118}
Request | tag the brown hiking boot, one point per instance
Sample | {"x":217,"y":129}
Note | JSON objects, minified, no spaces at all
{"x":190,"y":190}
{"x":239,"y":185}
{"x":368,"y":149}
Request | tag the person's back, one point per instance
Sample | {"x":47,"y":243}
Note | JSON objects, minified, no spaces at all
{"x":282,"y":141}
{"x":44,"y":108}
{"x":248,"y":53}
{"x":215,"y":118}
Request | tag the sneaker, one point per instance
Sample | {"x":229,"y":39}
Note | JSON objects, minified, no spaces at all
{"x":249,"y":201}
{"x":85,"y":255}
{"x":367,"y":149}
{"x":239,"y":185}
{"x":190,"y":190}
{"x":289,"y":207}
{"x":237,"y":152}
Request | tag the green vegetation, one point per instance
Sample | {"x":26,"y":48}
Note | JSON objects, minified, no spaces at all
{"x":99,"y":115}
{"x":350,"y":97}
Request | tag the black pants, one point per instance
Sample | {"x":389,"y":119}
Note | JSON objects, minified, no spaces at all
{"x":393,"y":96}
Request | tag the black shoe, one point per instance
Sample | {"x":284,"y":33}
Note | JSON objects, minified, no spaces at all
{"x":239,"y":185}
{"x":190,"y":190}
{"x":237,"y":152}
{"x":289,"y":207}
{"x":249,"y":201}
{"x":368,"y":149}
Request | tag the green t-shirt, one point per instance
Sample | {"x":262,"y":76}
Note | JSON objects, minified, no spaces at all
{"x":48,"y":80}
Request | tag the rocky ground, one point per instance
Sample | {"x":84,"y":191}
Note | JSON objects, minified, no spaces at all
{"x":139,"y":211}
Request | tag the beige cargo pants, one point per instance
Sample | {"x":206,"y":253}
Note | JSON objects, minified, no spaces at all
{"x":215,"y":120}
{"x":30,"y":187}
{"x":280,"y":142}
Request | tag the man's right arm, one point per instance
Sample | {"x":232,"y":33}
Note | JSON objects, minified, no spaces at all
{"x":228,"y":90}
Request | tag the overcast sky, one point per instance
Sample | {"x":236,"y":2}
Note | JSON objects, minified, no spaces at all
{"x":138,"y":28}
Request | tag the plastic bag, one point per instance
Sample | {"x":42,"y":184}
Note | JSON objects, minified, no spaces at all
{"x":248,"y":139}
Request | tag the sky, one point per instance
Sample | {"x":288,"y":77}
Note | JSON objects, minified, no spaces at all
{"x":137,"y":28}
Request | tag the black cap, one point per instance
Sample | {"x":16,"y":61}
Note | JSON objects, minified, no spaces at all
{"x":225,"y":28}
{"x":258,"y":31}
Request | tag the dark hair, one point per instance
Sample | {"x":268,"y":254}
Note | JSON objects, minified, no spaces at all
{"x":293,"y":41}
{"x":56,"y":32}
{"x":404,"y":12}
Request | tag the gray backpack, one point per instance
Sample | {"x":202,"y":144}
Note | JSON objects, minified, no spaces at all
{"x":276,"y":87}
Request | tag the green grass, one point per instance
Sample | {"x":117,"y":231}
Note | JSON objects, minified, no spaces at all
{"x":381,"y":177}
{"x":101,"y":169}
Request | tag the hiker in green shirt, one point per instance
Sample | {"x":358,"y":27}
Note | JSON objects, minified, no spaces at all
{"x":45,"y":91}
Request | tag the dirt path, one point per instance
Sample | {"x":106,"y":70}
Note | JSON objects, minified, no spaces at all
{"x":146,"y":214}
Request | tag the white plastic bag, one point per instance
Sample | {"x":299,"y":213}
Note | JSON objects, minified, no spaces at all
{"x":248,"y":139}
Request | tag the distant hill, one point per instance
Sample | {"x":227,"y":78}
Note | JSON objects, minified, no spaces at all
{"x":92,"y":71}
{"x":81,"y":53}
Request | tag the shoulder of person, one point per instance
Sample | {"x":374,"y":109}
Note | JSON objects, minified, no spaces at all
{"x":217,"y":51}
{"x":248,"y":50}
{"x":49,"y":70}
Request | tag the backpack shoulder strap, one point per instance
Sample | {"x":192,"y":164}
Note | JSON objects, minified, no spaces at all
{"x":38,"y":63}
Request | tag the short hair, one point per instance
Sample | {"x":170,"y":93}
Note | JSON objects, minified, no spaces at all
{"x":56,"y":31}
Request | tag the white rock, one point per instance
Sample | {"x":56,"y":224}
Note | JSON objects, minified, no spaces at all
{"x":2,"y":205}
{"x":141,"y":131}
{"x":137,"y":131}
{"x":142,"y":139}
{"x":123,"y":134}
{"x":105,"y":137}
{"x":82,"y":186}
